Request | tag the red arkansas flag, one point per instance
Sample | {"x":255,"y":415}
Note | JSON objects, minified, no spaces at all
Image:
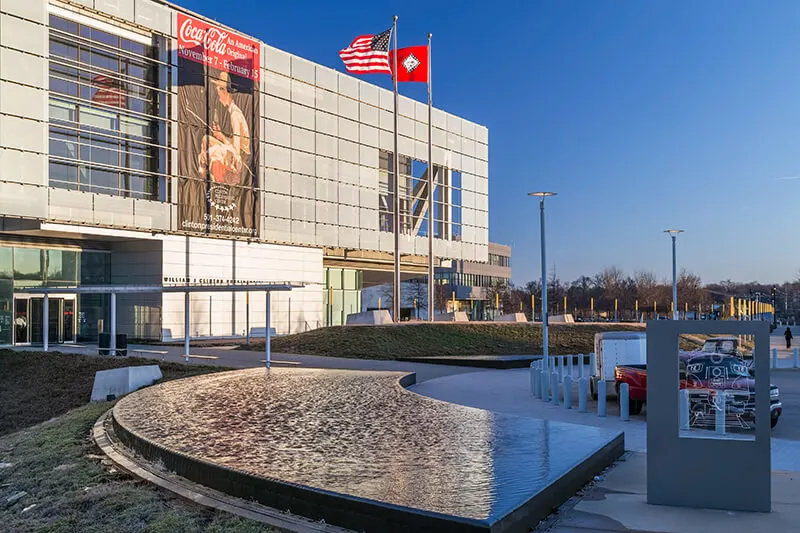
{"x":412,"y":63}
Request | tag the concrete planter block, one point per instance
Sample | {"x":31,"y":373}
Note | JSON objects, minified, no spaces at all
{"x":120,"y":381}
{"x":458,"y":316}
{"x":379,"y":317}
{"x":514,"y":317}
{"x":562,"y":319}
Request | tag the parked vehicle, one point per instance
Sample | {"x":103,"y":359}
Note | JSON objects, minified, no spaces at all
{"x":615,"y":348}
{"x":706,"y":375}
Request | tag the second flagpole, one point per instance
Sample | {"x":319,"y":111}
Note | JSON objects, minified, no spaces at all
{"x":431,"y":277}
{"x":396,"y":190}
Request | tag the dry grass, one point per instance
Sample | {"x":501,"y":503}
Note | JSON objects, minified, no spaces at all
{"x":36,"y":386}
{"x":68,"y":487}
{"x":419,"y":340}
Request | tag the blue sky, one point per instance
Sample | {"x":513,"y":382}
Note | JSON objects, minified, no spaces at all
{"x":642,"y":115}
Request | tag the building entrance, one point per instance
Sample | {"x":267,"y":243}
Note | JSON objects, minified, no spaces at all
{"x":29,"y":319}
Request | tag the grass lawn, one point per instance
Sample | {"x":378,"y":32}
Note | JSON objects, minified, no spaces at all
{"x":58,"y":466}
{"x":416,"y":340}
{"x":36,"y":386}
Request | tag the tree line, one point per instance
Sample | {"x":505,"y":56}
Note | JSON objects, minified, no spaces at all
{"x":613,"y":289}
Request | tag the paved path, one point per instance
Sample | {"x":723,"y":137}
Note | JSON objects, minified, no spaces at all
{"x":618,"y":501}
{"x":228,"y":356}
{"x":508,"y":391}
{"x":619,"y":504}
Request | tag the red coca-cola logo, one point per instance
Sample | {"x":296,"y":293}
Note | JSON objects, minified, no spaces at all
{"x":212,"y":39}
{"x":208,"y":44}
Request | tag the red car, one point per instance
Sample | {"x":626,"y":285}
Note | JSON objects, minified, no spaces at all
{"x":706,"y":376}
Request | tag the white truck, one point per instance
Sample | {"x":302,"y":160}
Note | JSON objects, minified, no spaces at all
{"x":616,"y":348}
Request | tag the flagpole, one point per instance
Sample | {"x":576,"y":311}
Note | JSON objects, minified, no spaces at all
{"x":396,"y":189}
{"x":431,"y":301}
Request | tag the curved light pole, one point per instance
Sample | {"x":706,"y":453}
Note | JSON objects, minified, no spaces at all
{"x":674,"y":234}
{"x":545,"y":349}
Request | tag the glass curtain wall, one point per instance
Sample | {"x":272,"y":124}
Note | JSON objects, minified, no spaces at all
{"x":447,"y":198}
{"x":30,"y":267}
{"x":342,"y":294}
{"x":108,"y":109}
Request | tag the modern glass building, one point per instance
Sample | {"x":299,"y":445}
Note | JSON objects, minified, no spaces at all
{"x":144,"y":144}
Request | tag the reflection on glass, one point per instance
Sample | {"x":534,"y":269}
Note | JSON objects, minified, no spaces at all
{"x":6,"y":262}
{"x":6,"y":314}
{"x":27,"y":264}
{"x":68,"y":323}
{"x":94,"y":268}
{"x":419,"y":168}
{"x":21,"y":320}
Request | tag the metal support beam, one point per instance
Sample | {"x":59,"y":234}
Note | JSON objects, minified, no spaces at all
{"x":46,"y":322}
{"x":186,"y":327}
{"x":112,"y":350}
{"x":268,"y":335}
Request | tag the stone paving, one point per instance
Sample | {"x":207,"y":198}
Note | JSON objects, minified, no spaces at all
{"x":618,"y":503}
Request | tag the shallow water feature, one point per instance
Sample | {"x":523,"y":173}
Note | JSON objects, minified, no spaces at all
{"x":360,"y":434}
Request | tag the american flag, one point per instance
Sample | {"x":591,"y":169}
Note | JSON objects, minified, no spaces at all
{"x":109,"y":91}
{"x":368,"y":54}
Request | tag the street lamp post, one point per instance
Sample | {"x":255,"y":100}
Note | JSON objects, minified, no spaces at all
{"x":674,"y":234}
{"x":545,"y":348}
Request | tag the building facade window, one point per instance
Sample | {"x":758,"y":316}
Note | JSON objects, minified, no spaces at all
{"x":470,"y":280}
{"x":447,"y":218}
{"x":499,"y":260}
{"x":107,"y":110}
{"x":30,"y":267}
{"x":342,"y":294}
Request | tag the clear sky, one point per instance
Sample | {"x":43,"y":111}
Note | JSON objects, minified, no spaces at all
{"x":641,"y":115}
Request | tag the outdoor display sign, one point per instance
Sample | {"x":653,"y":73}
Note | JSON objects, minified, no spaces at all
{"x":218,"y":77}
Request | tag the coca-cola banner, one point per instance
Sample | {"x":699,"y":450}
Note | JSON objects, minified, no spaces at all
{"x":218,"y":118}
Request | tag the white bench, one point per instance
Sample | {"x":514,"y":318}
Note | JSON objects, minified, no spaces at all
{"x":148,"y":352}
{"x":262,"y":332}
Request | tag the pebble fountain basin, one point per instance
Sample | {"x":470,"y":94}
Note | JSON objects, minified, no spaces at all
{"x":360,"y":451}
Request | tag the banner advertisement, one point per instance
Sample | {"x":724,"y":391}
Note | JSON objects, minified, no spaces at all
{"x":218,"y":119}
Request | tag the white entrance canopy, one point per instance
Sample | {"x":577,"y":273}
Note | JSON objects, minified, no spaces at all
{"x":113,"y":290}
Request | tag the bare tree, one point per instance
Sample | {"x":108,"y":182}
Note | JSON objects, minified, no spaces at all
{"x":611,"y":282}
{"x":418,"y":292}
{"x":647,"y":287}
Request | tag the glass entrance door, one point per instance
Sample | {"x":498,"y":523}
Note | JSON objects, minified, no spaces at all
{"x":68,"y":321}
{"x":29,"y":320}
{"x":21,"y":319}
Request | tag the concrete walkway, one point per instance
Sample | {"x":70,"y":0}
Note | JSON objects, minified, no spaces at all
{"x":508,"y":391}
{"x":618,"y":503}
{"x":231,"y":357}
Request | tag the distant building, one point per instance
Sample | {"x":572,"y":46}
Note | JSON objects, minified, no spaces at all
{"x":461,"y":285}
{"x":475,"y":283}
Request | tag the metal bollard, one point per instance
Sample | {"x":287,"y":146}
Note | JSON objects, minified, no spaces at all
{"x":591,"y":364}
{"x":583,"y":386}
{"x":796,"y":363}
{"x":580,"y":365}
{"x":624,"y":405}
{"x":569,"y":366}
{"x":555,"y":392}
{"x":719,"y":414}
{"x":774,"y":358}
{"x":560,"y":368}
{"x":538,"y":379}
{"x":601,"y":398}
{"x":532,"y":378}
{"x":683,"y":399}
{"x":545,"y":384}
{"x":568,"y":391}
